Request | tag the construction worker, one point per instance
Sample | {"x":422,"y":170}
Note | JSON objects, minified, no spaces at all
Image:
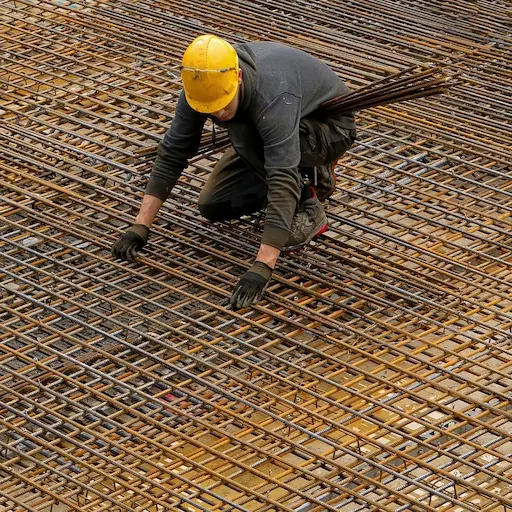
{"x":281,"y":158}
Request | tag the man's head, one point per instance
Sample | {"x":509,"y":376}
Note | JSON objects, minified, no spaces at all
{"x":211,"y":77}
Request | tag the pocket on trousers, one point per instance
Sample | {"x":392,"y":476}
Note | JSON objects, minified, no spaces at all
{"x":307,"y":135}
{"x":341,"y":140}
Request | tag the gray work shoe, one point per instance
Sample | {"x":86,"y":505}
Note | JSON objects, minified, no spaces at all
{"x":309,"y":221}
{"x":324,"y":180}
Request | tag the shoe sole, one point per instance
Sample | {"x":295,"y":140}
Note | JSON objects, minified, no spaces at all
{"x":298,"y":247}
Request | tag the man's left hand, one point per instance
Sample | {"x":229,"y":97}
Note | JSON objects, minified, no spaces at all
{"x":251,"y":286}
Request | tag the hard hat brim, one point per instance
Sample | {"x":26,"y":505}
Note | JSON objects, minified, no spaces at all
{"x":212,"y":106}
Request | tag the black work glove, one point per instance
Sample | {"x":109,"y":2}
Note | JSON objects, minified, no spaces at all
{"x":251,"y":286}
{"x":130,"y":242}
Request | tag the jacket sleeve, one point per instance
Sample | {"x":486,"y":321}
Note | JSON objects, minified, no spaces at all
{"x":278,"y":127}
{"x":180,"y":143}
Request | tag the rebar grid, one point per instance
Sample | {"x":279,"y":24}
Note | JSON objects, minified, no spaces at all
{"x":376,"y":373}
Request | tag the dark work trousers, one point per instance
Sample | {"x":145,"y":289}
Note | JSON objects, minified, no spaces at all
{"x":237,"y":184}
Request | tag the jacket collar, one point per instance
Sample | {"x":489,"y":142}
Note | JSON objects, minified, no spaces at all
{"x":246,"y":87}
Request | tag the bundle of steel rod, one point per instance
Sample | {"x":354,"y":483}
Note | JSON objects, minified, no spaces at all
{"x":375,"y":374}
{"x":398,"y":87}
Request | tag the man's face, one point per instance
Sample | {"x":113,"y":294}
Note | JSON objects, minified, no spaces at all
{"x":228,"y":112}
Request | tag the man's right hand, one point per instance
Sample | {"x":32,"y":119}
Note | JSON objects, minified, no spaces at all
{"x":131,"y":242}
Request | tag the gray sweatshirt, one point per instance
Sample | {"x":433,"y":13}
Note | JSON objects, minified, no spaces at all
{"x":280,"y":86}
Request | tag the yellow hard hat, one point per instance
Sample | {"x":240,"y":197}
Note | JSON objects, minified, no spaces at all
{"x":210,"y":73}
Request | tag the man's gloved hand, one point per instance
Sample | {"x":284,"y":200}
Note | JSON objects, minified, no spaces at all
{"x":131,"y":242}
{"x":251,"y":286}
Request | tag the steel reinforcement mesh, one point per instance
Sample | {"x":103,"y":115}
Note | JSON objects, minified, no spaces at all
{"x":376,"y":373}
